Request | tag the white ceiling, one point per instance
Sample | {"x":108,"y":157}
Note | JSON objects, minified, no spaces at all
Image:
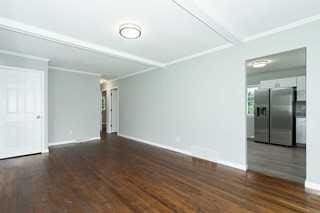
{"x":247,"y":18}
{"x":84,"y":35}
{"x":68,"y":57}
{"x":281,"y":61}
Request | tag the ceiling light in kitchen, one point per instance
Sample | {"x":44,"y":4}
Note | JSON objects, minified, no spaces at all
{"x":130,"y":31}
{"x":260,"y":63}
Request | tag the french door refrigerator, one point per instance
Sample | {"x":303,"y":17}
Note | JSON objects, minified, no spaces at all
{"x":275,"y":116}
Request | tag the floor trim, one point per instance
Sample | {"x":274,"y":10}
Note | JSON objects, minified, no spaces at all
{"x":312,"y":185}
{"x":222,"y":162}
{"x":46,"y":150}
{"x":74,"y":141}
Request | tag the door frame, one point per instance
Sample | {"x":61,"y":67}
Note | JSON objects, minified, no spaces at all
{"x":282,"y":50}
{"x":109,"y":114}
{"x":44,"y":96}
{"x":106,"y":109}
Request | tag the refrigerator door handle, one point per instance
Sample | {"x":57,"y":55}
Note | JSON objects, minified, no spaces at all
{"x":258,"y":111}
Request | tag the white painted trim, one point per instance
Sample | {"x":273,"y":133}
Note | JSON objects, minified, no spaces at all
{"x":24,"y":55}
{"x":118,"y":110}
{"x":233,"y":165}
{"x":18,"y":68}
{"x":73,"y":70}
{"x":194,"y":10}
{"x":74,"y":141}
{"x":108,"y":90}
{"x":133,"y":74}
{"x":46,"y":111}
{"x":312,"y":185}
{"x":45,"y":150}
{"x":155,"y":144}
{"x":179,"y":60}
{"x":219,"y":161}
{"x":284,"y":28}
{"x":40,"y":33}
{"x":196,"y":55}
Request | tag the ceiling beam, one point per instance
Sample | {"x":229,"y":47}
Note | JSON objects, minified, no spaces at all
{"x":193,"y":9}
{"x":37,"y":32}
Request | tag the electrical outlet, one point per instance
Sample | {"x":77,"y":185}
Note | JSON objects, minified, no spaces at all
{"x":178,"y":138}
{"x":70,"y":132}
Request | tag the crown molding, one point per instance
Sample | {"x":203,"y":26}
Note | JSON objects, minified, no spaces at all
{"x":199,"y":54}
{"x":24,"y":55}
{"x":222,"y":47}
{"x":194,"y":10}
{"x":283,"y":28}
{"x":135,"y":73}
{"x":37,"y":32}
{"x":73,"y":70}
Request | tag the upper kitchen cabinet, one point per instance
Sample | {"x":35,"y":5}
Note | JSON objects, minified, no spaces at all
{"x":301,"y":88}
{"x":268,"y":84}
{"x":287,"y":82}
{"x":299,"y":82}
{"x":278,"y":83}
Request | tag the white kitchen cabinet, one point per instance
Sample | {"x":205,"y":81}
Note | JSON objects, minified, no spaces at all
{"x":278,"y":83}
{"x":268,"y":84}
{"x":301,"y":130}
{"x":287,"y":82}
{"x":301,"y":88}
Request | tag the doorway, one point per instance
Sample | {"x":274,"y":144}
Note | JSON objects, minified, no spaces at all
{"x":21,"y":112}
{"x":104,"y":111}
{"x":276,"y":115}
{"x":114,"y":110}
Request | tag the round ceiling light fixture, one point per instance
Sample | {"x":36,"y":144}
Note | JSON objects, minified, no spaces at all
{"x":261,"y":63}
{"x":130,"y":31}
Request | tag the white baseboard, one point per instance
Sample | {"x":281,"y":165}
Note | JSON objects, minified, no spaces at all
{"x":74,"y":141}
{"x":232,"y":164}
{"x":155,"y":144}
{"x":46,"y":150}
{"x":223,"y":162}
{"x":312,"y":186}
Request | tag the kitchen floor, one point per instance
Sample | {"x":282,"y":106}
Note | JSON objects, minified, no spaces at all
{"x":284,"y":162}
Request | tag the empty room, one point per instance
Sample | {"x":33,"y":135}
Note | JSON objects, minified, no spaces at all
{"x":159,"y":106}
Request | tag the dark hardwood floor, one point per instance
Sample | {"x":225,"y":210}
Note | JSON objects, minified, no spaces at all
{"x":118,"y":175}
{"x":279,"y":161}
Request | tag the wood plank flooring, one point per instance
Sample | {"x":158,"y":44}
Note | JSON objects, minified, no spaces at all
{"x":279,"y":161}
{"x":119,"y":175}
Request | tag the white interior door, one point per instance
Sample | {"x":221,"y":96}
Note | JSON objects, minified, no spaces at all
{"x":114,"y":110}
{"x":21,"y":110}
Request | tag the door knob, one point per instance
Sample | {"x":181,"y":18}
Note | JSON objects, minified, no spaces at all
{"x":38,"y":117}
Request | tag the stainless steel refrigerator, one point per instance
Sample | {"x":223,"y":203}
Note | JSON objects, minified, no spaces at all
{"x":274,"y":116}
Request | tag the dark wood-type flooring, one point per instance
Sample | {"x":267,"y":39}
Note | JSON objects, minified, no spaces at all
{"x":119,"y":175}
{"x":279,"y":161}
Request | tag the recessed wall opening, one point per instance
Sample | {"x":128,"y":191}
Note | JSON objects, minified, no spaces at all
{"x":276,"y":115}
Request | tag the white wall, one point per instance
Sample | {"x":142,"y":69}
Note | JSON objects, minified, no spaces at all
{"x":74,"y":106}
{"x":203,"y":100}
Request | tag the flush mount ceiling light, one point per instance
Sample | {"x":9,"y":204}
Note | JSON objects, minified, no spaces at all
{"x":102,"y":81}
{"x":260,"y":63}
{"x":130,"y":31}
